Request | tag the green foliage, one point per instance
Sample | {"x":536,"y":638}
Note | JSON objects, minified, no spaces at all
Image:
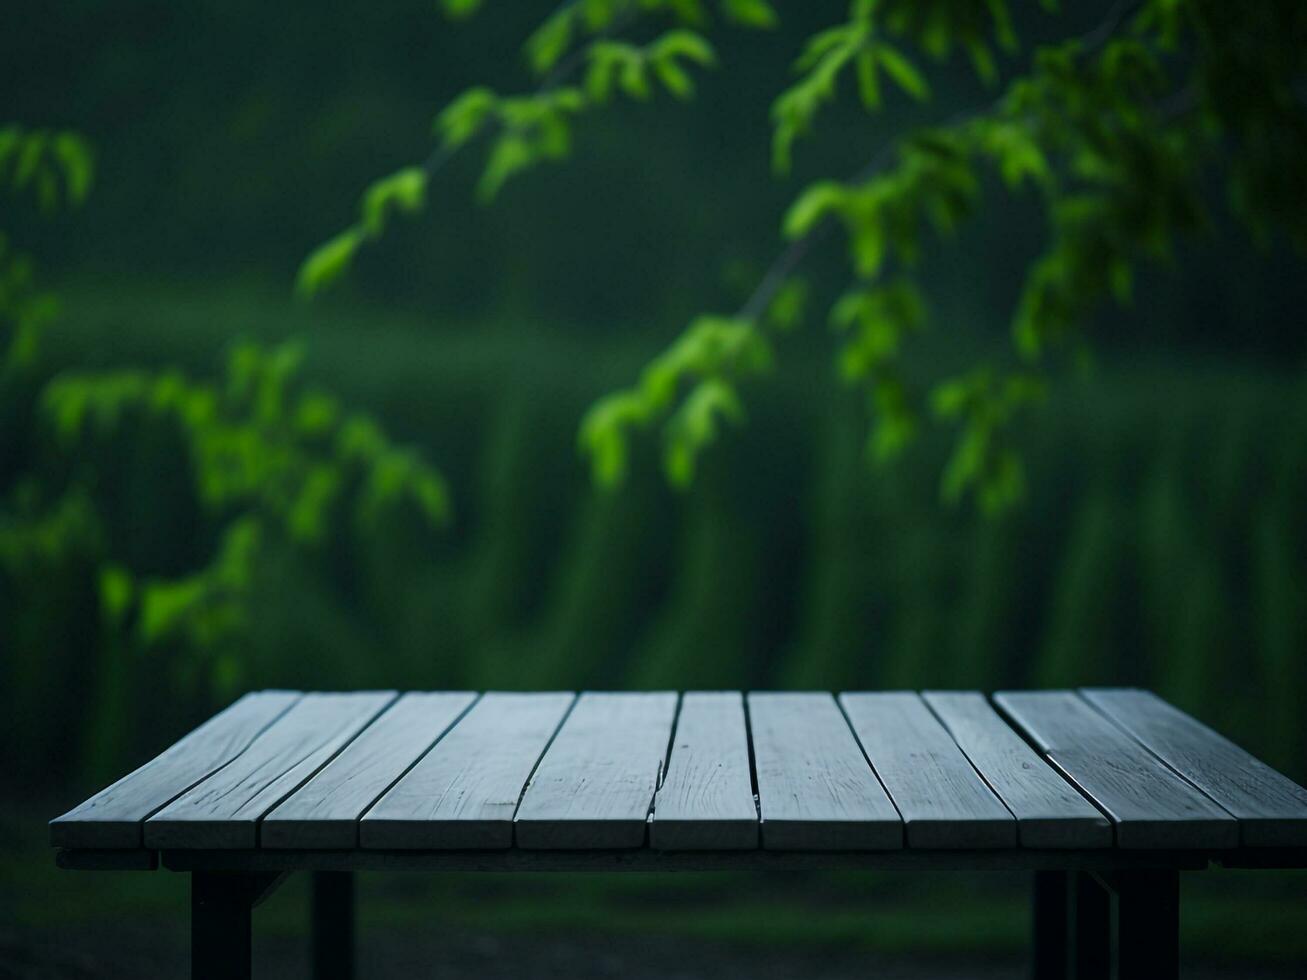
{"x":25,"y":309}
{"x":460,"y":9}
{"x":533,"y":129}
{"x":1127,"y":184}
{"x":883,"y":215}
{"x":404,"y":191}
{"x":536,"y":127}
{"x":823,"y":60}
{"x":862,"y":42}
{"x":977,"y":26}
{"x":877,"y":319}
{"x":328,"y":262}
{"x":551,"y":42}
{"x":618,"y":66}
{"x":259,"y":441}
{"x":463,"y":118}
{"x":1116,"y":133}
{"x":1097,"y":128}
{"x":710,"y":358}
{"x":983,"y":404}
{"x":751,"y":13}
{"x":37,"y":534}
{"x":693,"y":427}
{"x":56,"y":166}
{"x":542,"y":584}
{"x":270,"y":459}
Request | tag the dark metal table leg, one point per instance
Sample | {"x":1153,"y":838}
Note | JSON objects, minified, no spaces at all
{"x":1091,"y":928}
{"x":1147,"y":926}
{"x":1049,"y":925}
{"x":221,"y":907}
{"x":333,"y":925}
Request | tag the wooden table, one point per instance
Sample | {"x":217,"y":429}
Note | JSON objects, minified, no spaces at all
{"x":1105,"y":795}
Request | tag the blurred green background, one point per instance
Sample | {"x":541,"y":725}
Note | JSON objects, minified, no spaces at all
{"x":1164,"y":541}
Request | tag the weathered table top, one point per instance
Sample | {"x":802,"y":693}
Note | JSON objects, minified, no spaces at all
{"x":376,"y":779}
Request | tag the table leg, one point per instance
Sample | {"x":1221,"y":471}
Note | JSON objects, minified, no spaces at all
{"x":1090,"y":914}
{"x":221,"y":907}
{"x":1049,"y":925}
{"x":333,"y":925}
{"x":1147,"y":924}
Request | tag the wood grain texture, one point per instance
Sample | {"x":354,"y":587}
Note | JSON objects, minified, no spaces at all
{"x":1150,"y":806}
{"x":1271,"y":809}
{"x":816,"y":790}
{"x":112,"y":818}
{"x":596,"y":782}
{"x":224,"y":810}
{"x":943,"y":802}
{"x":325,"y":811}
{"x":1050,"y":812}
{"x":706,"y":798}
{"x":465,"y":791}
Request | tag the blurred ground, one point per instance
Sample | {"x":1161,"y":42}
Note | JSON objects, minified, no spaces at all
{"x":139,"y":950}
{"x":58,"y":924}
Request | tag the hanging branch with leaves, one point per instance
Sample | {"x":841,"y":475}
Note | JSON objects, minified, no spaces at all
{"x":273,"y":462}
{"x":1116,"y":133}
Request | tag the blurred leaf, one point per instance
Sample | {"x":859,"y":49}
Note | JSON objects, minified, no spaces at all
{"x":550,"y":41}
{"x":404,"y":191}
{"x":460,"y":9}
{"x":465,"y":116}
{"x":74,"y":155}
{"x":689,"y":45}
{"x":117,"y":589}
{"x":904,"y":73}
{"x":674,"y":78}
{"x":693,"y":427}
{"x":812,"y":205}
{"x":751,"y":13}
{"x":328,"y":262}
{"x":868,"y":84}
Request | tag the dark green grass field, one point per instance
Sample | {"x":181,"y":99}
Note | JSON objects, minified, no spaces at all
{"x":1164,"y":542}
{"x":1138,"y":559}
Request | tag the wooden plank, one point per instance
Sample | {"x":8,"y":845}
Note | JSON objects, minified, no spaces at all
{"x":464,"y":792}
{"x":816,"y":790}
{"x":1050,"y":812}
{"x":1271,"y":809}
{"x":112,"y":818}
{"x":1149,"y":805}
{"x":943,"y":802}
{"x":325,"y":811}
{"x":706,"y":798}
{"x":224,"y":810}
{"x":596,"y":782}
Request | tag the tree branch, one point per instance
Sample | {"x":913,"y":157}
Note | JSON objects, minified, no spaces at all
{"x":563,"y":70}
{"x":793,"y":256}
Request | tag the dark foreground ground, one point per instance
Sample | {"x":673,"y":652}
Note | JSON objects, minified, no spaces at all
{"x":60,"y":925}
{"x":941,"y":926}
{"x":136,"y":950}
